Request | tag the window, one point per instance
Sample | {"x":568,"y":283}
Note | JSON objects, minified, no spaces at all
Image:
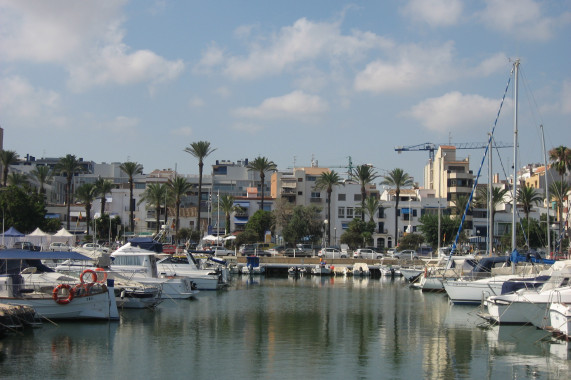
{"x":300,"y":193}
{"x":350,"y":212}
{"x":381,"y":213}
{"x":315,"y":194}
{"x":311,"y":178}
{"x":357,"y":197}
{"x":341,"y":212}
{"x":341,"y":197}
{"x":300,"y":180}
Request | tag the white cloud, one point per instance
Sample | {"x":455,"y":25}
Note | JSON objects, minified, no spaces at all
{"x":523,"y":19}
{"x":120,"y":124}
{"x":223,"y":92}
{"x":32,"y":107}
{"x":491,"y":65}
{"x":566,"y":97}
{"x":247,"y":127}
{"x":413,"y":66}
{"x":304,"y":41}
{"x":182,"y":131}
{"x":456,"y":111}
{"x":85,"y":38}
{"x":196,"y":102}
{"x":296,"y":104}
{"x":212,"y":57}
{"x":434,"y":12}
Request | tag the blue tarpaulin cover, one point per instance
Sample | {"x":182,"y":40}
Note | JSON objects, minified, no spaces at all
{"x":22,"y":254}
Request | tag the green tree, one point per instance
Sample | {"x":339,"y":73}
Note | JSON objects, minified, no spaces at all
{"x":68,"y":166}
{"x":262,"y":165}
{"x":153,"y":196}
{"x":103,"y":187}
{"x":199,"y":150}
{"x":18,"y":179}
{"x":86,"y":193}
{"x":23,"y":210}
{"x":398,"y":179}
{"x":227,"y":206}
{"x":460,"y":205}
{"x":7,"y":158}
{"x":305,"y":223}
{"x":558,"y":191}
{"x":448,"y":227}
{"x":43,"y":174}
{"x":560,"y":158}
{"x":527,"y":196}
{"x":372,"y":205}
{"x":105,"y":226}
{"x":411,"y":241}
{"x":327,"y":181}
{"x":358,"y":233}
{"x":364,"y":175}
{"x":131,"y":169}
{"x":178,"y":188}
{"x":259,"y":223}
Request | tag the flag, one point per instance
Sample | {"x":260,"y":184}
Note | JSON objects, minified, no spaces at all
{"x":444,"y":238}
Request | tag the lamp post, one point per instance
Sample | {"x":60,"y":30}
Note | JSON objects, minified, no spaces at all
{"x":335,"y":236}
{"x":325,"y":223}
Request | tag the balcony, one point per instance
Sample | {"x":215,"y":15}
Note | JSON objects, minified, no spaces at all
{"x":315,"y":200}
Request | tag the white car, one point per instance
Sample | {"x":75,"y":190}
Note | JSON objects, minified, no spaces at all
{"x":56,"y":246}
{"x":331,"y":253}
{"x":407,"y":254}
{"x":219,"y":250}
{"x":366,"y":253}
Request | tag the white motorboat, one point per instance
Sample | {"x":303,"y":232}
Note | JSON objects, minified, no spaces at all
{"x":529,"y":306}
{"x":140,"y":265}
{"x":321,"y":269}
{"x":53,"y":295}
{"x":247,"y":270}
{"x":560,"y":318}
{"x":185,"y":265}
{"x":455,"y":267}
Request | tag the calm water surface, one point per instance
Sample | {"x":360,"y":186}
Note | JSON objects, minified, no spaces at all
{"x":282,"y":328}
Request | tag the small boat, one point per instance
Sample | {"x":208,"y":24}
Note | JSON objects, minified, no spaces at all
{"x":26,"y":281}
{"x":296,"y":271}
{"x":322,"y":269}
{"x":560,"y":318}
{"x":361,"y":269}
{"x":185,"y":264}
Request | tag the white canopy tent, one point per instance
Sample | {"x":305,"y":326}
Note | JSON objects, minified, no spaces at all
{"x":64,"y":236}
{"x":40,"y":238}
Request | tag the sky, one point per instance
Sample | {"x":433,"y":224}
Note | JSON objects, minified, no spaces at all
{"x":293,"y":81}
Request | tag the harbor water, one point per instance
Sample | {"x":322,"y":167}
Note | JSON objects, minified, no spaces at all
{"x":287,"y":328}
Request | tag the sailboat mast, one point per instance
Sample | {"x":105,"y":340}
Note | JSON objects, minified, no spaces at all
{"x":490,"y":205}
{"x":514,"y":196}
{"x":546,"y":192}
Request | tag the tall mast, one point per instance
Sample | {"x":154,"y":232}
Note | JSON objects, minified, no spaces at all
{"x":514,"y":196}
{"x":546,"y":192}
{"x":490,"y":232}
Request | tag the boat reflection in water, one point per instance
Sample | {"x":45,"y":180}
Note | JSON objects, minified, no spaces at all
{"x":312,"y":326}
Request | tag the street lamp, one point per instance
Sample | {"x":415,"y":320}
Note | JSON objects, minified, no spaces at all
{"x":325,"y":223}
{"x":335,"y":236}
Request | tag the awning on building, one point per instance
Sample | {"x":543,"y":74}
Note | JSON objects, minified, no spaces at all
{"x":240,"y":220}
{"x":242,"y":204}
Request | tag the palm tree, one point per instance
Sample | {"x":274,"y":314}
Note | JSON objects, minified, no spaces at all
{"x":262,"y":165}
{"x":227,"y":206}
{"x":364,"y":174}
{"x":103,"y":187}
{"x":326,"y":181}
{"x":527,"y":196}
{"x":7,"y":158}
{"x":153,"y":195}
{"x":481,"y":200}
{"x":372,"y":205}
{"x":558,"y":190}
{"x":18,"y":179}
{"x":131,"y":169}
{"x":200,"y":150}
{"x":178,"y":187}
{"x":68,"y":166}
{"x":86,"y":193}
{"x":560,"y":158}
{"x":42,"y":174}
{"x":397,"y":178}
{"x":460,"y":204}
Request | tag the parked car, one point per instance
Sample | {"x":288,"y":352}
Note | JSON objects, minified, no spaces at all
{"x":95,"y":246}
{"x":26,"y":245}
{"x":331,"y":253}
{"x":247,"y":249}
{"x":366,"y":253}
{"x":391,"y":252}
{"x":407,"y":254}
{"x":277,"y":250}
{"x":219,"y":250}
{"x":58,"y":246}
{"x":296,"y":252}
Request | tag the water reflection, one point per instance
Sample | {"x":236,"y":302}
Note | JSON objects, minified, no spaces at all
{"x":286,"y":327}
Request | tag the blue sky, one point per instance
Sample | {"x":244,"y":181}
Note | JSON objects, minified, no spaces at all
{"x":112,"y":81}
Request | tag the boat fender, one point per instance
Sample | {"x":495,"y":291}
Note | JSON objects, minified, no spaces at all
{"x":122,"y":293}
{"x":101,"y":271}
{"x":60,"y":300}
{"x":92,"y":273}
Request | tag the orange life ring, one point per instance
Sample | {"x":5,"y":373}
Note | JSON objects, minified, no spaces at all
{"x":97,"y":270}
{"x":92,"y":273}
{"x":58,"y":299}
{"x":82,"y":289}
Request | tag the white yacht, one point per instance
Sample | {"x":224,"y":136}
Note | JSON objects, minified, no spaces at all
{"x":186,"y":265}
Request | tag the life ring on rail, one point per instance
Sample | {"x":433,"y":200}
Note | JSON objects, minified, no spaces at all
{"x":82,"y":289}
{"x":92,"y":273}
{"x":61,"y":300}
{"x":103,"y":272}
